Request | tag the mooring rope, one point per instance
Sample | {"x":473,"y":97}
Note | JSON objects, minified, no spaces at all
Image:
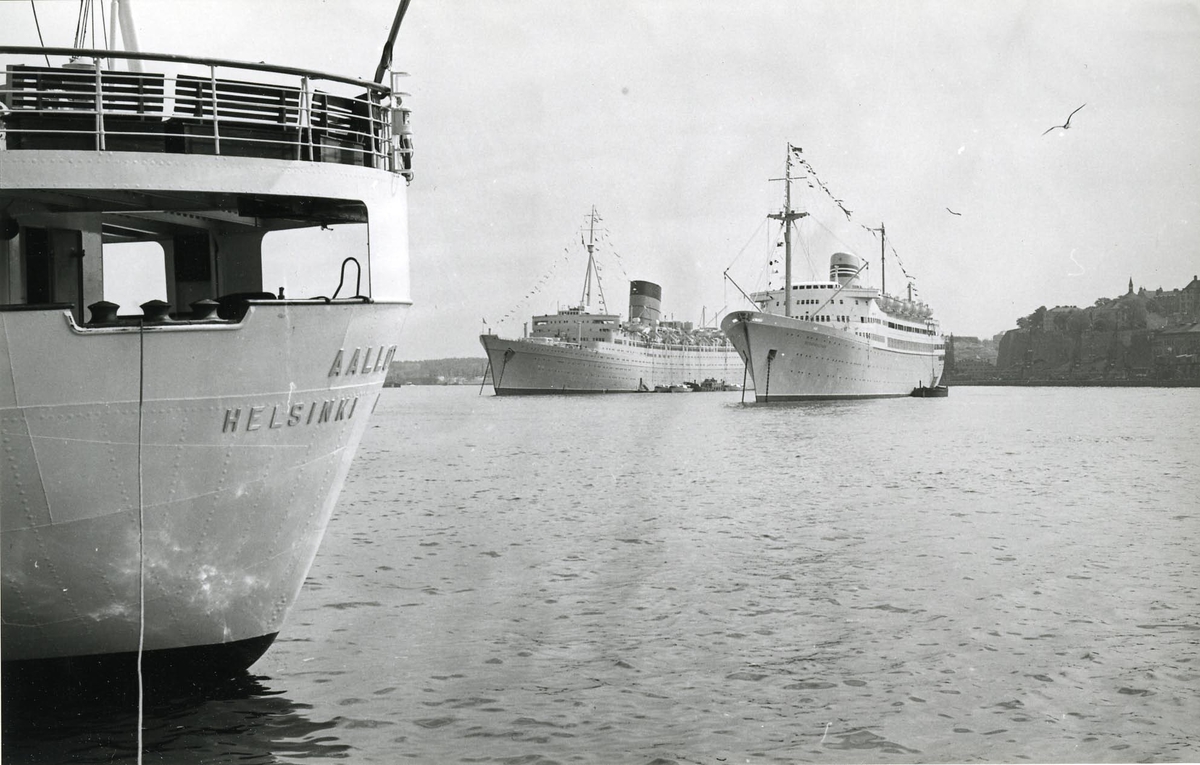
{"x":483,"y":381}
{"x":141,"y":536}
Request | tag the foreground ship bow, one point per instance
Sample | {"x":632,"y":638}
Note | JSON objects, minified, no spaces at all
{"x":194,"y":447}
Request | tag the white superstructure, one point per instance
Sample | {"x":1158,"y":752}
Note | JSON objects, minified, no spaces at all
{"x":170,"y":467}
{"x":835,"y":338}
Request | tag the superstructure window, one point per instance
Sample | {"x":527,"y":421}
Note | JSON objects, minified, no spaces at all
{"x":134,"y":273}
{"x":307,"y":262}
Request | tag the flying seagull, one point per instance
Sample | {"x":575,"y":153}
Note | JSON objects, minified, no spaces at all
{"x":1066,"y":125}
{"x":952,"y":212}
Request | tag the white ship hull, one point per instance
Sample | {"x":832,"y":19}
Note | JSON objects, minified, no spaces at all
{"x":538,"y":367}
{"x":204,"y":459}
{"x":792,"y":359}
{"x":170,"y":465}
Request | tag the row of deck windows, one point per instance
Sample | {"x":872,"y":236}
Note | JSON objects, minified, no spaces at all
{"x":912,"y":345}
{"x":902,"y":328}
{"x":812,"y":301}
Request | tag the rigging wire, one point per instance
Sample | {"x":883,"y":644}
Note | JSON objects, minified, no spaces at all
{"x":764,"y":269}
{"x":604,"y":237}
{"x":537,"y":288}
{"x":761,"y":223}
{"x":81,"y":23}
{"x":808,"y":250}
{"x":78,"y":24}
{"x":911,"y":280}
{"x":38,"y":26}
{"x":104,"y":30}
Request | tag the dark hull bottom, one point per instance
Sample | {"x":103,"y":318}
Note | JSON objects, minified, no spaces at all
{"x":115,"y":675}
{"x":783,"y":399}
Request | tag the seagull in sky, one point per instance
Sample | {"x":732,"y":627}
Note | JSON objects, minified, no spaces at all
{"x":952,"y":212}
{"x":1066,"y":125}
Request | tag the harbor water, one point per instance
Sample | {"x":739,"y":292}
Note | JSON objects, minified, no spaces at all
{"x":1003,"y":575}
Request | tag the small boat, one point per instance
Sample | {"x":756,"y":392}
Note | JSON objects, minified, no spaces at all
{"x":930,"y":391}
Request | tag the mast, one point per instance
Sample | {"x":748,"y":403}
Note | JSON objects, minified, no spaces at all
{"x":124,"y":14}
{"x":385,"y":60}
{"x":586,"y":298}
{"x":882,"y":259}
{"x":787,"y":216}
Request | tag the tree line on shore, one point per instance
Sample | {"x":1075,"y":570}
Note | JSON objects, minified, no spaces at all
{"x":1151,"y":336}
{"x":452,"y":371}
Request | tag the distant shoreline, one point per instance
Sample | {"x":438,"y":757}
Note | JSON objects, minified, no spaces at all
{"x":1078,"y":383}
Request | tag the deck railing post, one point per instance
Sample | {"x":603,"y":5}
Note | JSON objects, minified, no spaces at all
{"x":305,"y":120}
{"x":212,"y":78}
{"x":99,"y":108}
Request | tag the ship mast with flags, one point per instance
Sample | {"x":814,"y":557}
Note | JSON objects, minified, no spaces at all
{"x":585,"y":299}
{"x":787,"y":215}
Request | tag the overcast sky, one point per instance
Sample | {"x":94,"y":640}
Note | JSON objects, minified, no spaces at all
{"x":671,"y":117}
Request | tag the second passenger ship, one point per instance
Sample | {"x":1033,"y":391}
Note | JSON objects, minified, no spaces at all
{"x":578,"y":350}
{"x":835,"y":338}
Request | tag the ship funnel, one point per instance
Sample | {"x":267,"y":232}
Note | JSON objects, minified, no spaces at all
{"x":644,"y":301}
{"x":844,"y":268}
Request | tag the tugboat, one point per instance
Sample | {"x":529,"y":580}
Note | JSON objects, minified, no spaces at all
{"x":930,"y":391}
{"x":170,"y":467}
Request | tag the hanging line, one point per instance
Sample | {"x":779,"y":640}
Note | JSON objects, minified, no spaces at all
{"x":141,"y":537}
{"x":104,"y":30}
{"x":761,"y":223}
{"x":603,"y":236}
{"x":80,"y":24}
{"x":486,"y":372}
{"x":537,"y":288}
{"x":769,"y":270}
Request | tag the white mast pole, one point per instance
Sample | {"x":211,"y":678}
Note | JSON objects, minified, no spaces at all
{"x":128,"y":32}
{"x":787,"y":216}
{"x":112,"y":27}
{"x":787,"y":236}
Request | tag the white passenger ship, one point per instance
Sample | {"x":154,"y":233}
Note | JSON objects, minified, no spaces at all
{"x":578,"y":350}
{"x":835,"y":338}
{"x":169,"y":468}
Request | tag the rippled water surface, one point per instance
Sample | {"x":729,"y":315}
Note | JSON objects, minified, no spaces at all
{"x":1003,"y":575}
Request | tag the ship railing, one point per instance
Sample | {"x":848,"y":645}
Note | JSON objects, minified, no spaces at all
{"x":198,"y":106}
{"x":699,"y":347}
